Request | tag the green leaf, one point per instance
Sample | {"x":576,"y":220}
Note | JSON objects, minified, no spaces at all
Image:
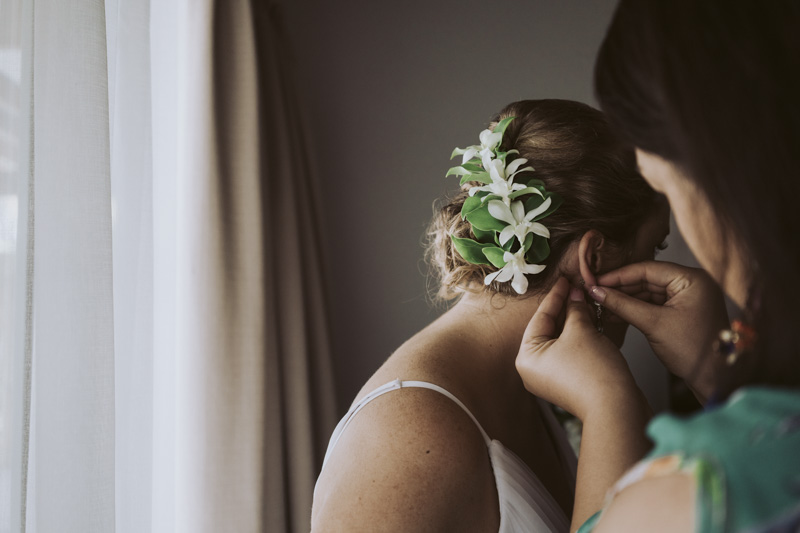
{"x":484,"y":237}
{"x":458,"y":151}
{"x":555,"y":203}
{"x":481,"y":219}
{"x":503,"y":155}
{"x":539,"y":250}
{"x":472,"y":167}
{"x":482,"y":177}
{"x":457,"y":171}
{"x":533,"y":202}
{"x":502,"y":125}
{"x":470,"y":250}
{"x":495,"y":256}
{"x":470,"y":204}
{"x":535,"y":182}
{"x":528,"y":242}
{"x":522,"y":192}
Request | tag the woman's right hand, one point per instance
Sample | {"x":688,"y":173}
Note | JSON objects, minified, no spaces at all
{"x":679,"y":309}
{"x":575,"y":367}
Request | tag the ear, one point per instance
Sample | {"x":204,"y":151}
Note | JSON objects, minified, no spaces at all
{"x":591,"y":251}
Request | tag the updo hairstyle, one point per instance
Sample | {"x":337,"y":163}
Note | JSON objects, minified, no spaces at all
{"x":571,"y":148}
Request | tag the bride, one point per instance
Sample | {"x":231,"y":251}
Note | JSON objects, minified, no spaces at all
{"x":444,"y":436}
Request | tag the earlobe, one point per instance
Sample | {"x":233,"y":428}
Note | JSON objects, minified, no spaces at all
{"x":590,"y":256}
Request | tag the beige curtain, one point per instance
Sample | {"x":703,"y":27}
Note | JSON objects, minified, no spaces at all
{"x":164,"y":354}
{"x":254,"y":398}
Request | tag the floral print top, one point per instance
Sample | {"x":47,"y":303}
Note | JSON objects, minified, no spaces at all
{"x":744,"y":457}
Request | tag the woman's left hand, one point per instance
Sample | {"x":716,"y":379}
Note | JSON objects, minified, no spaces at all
{"x":580,"y":370}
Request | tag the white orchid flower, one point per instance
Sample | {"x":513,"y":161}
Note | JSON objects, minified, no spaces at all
{"x":519,"y":222}
{"x":515,"y":268}
{"x":502,"y":178}
{"x":489,"y":143}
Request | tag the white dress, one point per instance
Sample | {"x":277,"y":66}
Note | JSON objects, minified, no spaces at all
{"x":525,"y":504}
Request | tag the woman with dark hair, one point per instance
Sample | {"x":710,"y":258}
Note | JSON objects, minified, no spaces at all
{"x":706,"y":91}
{"x":444,"y":436}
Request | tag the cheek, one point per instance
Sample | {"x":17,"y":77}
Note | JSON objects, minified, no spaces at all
{"x":706,"y":239}
{"x":698,"y":229}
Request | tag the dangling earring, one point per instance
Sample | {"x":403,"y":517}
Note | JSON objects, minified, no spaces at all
{"x":741,"y":337}
{"x":736,"y":341}
{"x":599,"y":309}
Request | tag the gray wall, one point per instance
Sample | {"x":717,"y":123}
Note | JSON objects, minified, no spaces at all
{"x":391,"y":89}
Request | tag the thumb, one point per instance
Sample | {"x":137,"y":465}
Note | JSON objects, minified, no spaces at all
{"x":635,"y":312}
{"x":578,"y":314}
{"x":542,"y":327}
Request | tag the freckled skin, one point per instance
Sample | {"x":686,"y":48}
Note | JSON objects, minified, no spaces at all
{"x":412,"y":460}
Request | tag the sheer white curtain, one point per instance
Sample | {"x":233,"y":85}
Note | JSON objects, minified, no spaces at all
{"x":163,"y":343}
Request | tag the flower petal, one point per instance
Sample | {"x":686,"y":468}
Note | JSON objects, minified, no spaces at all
{"x":520,"y":283}
{"x":490,"y":278}
{"x":539,"y":210}
{"x":496,"y":170}
{"x":505,"y":274}
{"x":539,"y":229}
{"x":490,"y":139}
{"x":526,"y":169}
{"x":522,"y":192}
{"x":521,"y":232}
{"x":506,"y":235}
{"x":533,"y":269}
{"x":469,"y":153}
{"x":515,"y":164}
{"x":500,"y":211}
{"x":518,"y":210}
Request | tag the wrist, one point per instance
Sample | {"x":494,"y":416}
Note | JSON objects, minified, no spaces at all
{"x":621,"y":406}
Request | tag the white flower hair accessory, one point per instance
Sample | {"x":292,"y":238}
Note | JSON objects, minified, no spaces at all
{"x":504,"y":211}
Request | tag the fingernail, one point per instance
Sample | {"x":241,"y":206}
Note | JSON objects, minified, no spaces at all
{"x":576,"y":295}
{"x":597,"y":294}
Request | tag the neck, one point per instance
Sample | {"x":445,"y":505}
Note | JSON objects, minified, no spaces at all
{"x":495,"y":322}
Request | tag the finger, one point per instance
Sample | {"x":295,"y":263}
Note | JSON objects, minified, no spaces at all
{"x":638,"y":313}
{"x":656,"y":273}
{"x":636,"y":288}
{"x":542,"y":327}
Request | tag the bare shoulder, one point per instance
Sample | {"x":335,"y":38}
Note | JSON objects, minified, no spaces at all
{"x":410,"y":460}
{"x":661,"y":504}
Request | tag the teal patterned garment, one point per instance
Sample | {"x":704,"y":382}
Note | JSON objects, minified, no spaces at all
{"x":744,"y":456}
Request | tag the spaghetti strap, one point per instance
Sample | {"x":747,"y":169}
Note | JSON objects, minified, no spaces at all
{"x":524,"y":502}
{"x":389,"y":387}
{"x":437,"y":388}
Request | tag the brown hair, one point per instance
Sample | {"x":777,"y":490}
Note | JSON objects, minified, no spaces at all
{"x":572,"y":150}
{"x":712,"y":87}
